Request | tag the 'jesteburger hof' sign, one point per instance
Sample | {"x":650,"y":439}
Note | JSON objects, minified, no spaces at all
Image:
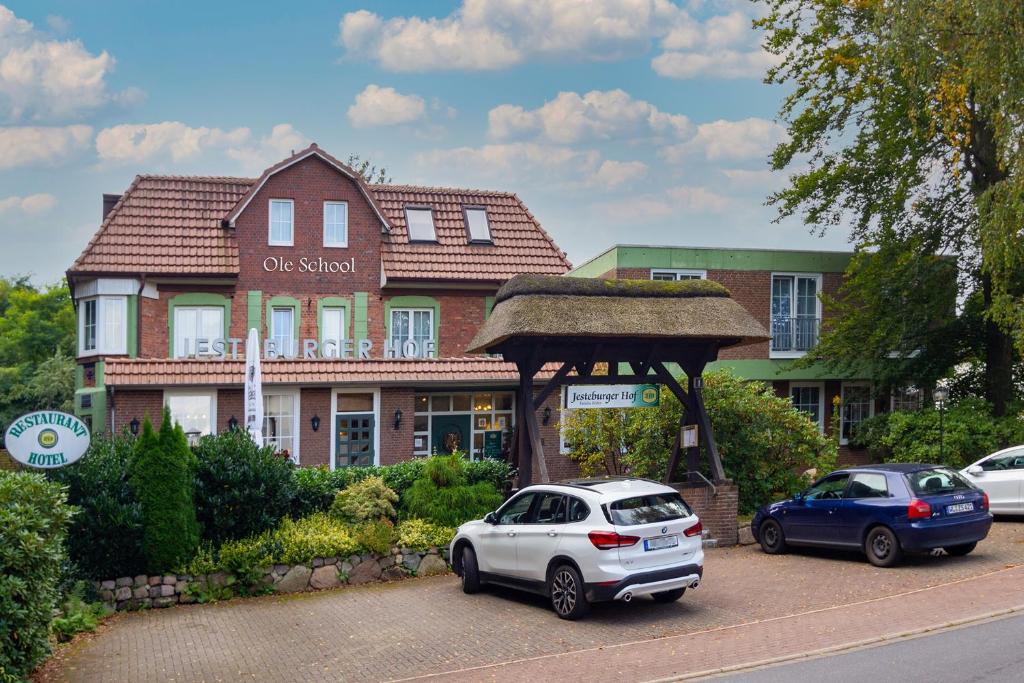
{"x":613,"y":396}
{"x":47,"y":439}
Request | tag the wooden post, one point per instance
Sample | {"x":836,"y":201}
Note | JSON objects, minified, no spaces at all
{"x":524,"y":453}
{"x":704,"y":422}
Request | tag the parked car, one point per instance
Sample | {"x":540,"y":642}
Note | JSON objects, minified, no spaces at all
{"x":883,"y":510}
{"x":585,"y":541}
{"x":1001,"y":476}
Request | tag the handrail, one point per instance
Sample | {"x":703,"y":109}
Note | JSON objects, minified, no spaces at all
{"x":714,"y":489}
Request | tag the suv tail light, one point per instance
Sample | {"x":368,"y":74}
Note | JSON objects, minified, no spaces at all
{"x":919,"y":509}
{"x":694,"y":530}
{"x":606,"y":540}
{"x":984,"y":500}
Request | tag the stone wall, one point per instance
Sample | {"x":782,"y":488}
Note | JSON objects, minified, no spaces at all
{"x":140,"y":592}
{"x":717,"y":509}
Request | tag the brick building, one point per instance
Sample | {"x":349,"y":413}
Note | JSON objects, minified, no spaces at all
{"x":365,"y":298}
{"x":780,"y":289}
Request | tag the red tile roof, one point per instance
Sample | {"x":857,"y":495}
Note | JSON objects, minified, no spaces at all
{"x":174,"y":225}
{"x":121,"y":372}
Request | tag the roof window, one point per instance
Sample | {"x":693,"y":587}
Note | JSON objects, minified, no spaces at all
{"x":477,"y":224}
{"x":420,"y":222}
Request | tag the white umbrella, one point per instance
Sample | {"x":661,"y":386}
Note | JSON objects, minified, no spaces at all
{"x":253,"y":388}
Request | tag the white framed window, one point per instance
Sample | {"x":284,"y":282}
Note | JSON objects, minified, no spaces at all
{"x":809,"y":397}
{"x":477,"y":225}
{"x":192,"y":323}
{"x":856,"y":407}
{"x":195,"y":411}
{"x":335,"y":224}
{"x":281,"y":422}
{"x":282,"y":223}
{"x":674,"y":274}
{"x":103,"y":325}
{"x":906,"y":398}
{"x":332,"y":321}
{"x":282,"y":330}
{"x":420,"y":223}
{"x":414,"y":325}
{"x":795,"y":313}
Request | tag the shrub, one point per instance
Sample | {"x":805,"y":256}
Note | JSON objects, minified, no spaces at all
{"x":419,"y":534}
{"x":77,"y":615}
{"x":241,"y":489}
{"x":969,"y":431}
{"x":442,"y":495}
{"x":244,"y":558}
{"x":375,"y":536}
{"x":497,"y":473}
{"x":105,"y":537}
{"x":161,"y":478}
{"x":318,"y":535}
{"x":763,"y":441}
{"x":34,"y":517}
{"x":313,"y":490}
{"x":367,"y":500}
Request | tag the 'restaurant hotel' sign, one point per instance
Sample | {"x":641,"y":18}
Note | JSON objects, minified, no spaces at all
{"x":47,"y":439}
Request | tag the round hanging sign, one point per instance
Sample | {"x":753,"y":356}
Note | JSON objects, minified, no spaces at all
{"x":47,"y":439}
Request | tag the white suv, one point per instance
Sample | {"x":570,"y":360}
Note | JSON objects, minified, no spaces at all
{"x":585,"y":541}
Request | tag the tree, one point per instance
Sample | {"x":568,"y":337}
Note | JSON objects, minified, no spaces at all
{"x":905,"y":122}
{"x":369,"y":171}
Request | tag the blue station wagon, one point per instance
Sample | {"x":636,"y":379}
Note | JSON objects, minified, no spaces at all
{"x":883,"y":510}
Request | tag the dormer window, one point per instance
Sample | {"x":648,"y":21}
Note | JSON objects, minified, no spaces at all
{"x":282,"y":223}
{"x":477,"y":225}
{"x":420,"y":221}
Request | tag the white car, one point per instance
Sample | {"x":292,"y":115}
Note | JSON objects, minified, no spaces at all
{"x":1001,"y":476}
{"x":585,"y":541}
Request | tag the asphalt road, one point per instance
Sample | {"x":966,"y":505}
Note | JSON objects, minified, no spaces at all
{"x":990,"y":651}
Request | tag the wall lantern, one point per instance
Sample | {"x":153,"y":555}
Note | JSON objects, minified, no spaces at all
{"x":134,"y":426}
{"x":233,"y":423}
{"x":547,"y":415}
{"x":314,"y":422}
{"x":398,"y":418}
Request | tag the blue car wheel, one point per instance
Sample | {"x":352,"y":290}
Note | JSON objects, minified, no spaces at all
{"x":882,"y":547}
{"x":773,"y":541}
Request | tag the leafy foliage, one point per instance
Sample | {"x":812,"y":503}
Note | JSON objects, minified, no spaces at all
{"x":763,"y":441}
{"x":904,"y":124}
{"x":365,"y":501}
{"x":318,"y":535}
{"x":240,"y":488}
{"x":34,"y":517}
{"x":419,"y":534}
{"x":77,"y":615}
{"x":105,"y":538}
{"x":368,"y":170}
{"x":375,"y":536}
{"x":161,"y":478}
{"x":314,"y":489}
{"x":969,"y":430}
{"x":442,"y":494}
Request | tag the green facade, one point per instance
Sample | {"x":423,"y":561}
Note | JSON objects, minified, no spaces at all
{"x":699,"y":258}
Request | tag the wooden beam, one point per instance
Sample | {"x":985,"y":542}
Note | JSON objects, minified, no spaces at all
{"x":524,"y":453}
{"x":704,"y":422}
{"x":606,"y":379}
{"x":553,"y":383}
{"x":536,"y":445}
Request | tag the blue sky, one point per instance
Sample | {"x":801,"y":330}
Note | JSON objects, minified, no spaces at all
{"x":617,"y":121}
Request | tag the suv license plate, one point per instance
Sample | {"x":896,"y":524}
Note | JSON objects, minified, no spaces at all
{"x":959,"y":507}
{"x":661,"y":542}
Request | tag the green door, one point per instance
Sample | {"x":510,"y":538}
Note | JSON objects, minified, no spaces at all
{"x":353,"y":443}
{"x":451,"y":433}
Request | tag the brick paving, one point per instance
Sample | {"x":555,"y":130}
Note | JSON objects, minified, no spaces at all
{"x":427,"y":626}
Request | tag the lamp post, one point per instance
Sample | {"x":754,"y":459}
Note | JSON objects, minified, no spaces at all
{"x":941,"y":394}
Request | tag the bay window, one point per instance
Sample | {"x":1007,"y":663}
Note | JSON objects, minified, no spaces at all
{"x":103,"y":325}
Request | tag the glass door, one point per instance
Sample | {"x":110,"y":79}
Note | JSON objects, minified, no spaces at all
{"x":353,"y":435}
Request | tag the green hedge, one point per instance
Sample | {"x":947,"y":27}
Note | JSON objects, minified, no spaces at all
{"x":34,"y":517}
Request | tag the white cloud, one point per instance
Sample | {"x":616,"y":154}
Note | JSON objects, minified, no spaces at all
{"x":42,"y":78}
{"x":58,"y":24}
{"x":377,"y":106}
{"x":762,"y":180}
{"x":28,"y":145}
{"x":728,"y":140}
{"x":518,"y":158}
{"x":32,"y":205}
{"x":282,"y":141}
{"x":723,"y":46}
{"x":612,"y":174}
{"x":715,"y":63}
{"x":600,"y":115}
{"x":495,"y":34}
{"x":135,"y":143}
{"x":698,"y":199}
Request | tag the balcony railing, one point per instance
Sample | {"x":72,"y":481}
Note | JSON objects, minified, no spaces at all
{"x":795,"y":334}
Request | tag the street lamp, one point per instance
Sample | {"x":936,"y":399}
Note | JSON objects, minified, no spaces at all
{"x":941,"y":394}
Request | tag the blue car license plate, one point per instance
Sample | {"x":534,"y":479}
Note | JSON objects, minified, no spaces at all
{"x":661,"y":542}
{"x":959,"y":507}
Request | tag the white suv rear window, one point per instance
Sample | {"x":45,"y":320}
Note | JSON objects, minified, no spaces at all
{"x":649,"y":509}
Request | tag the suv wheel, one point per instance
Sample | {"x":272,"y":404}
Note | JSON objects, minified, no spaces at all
{"x":773,"y":541}
{"x":470,"y":571}
{"x":565,"y":586}
{"x":882,"y":547}
{"x":668,"y":596}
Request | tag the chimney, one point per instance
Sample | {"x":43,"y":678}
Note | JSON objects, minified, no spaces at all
{"x":108,"y":204}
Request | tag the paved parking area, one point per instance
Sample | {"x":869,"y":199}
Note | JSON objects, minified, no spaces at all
{"x":427,"y":626}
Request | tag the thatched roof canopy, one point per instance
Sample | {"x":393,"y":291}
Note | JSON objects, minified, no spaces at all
{"x":530,"y":306}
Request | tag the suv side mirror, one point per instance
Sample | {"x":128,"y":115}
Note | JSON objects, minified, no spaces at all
{"x":975,"y":470}
{"x":491,"y":518}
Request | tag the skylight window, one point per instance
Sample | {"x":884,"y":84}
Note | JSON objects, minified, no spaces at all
{"x":477,"y":224}
{"x":421,"y":224}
